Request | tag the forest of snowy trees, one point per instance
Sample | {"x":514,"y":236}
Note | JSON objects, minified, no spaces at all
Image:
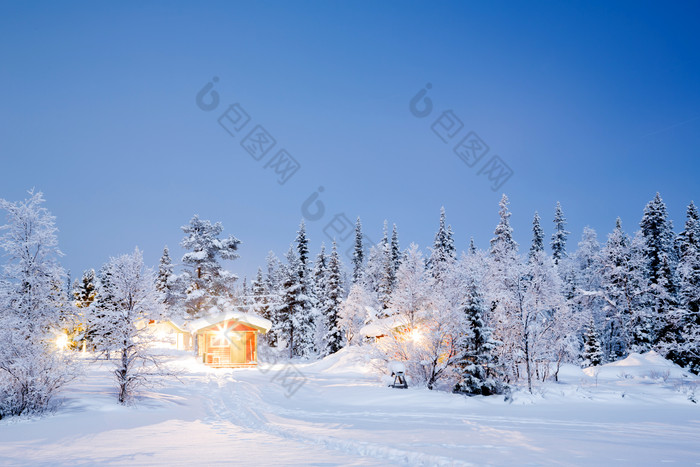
{"x":482,"y":319}
{"x":474,"y":322}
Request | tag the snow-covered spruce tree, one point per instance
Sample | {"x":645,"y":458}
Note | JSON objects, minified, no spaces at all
{"x":273,"y":284}
{"x":442,"y":254}
{"x":537,"y":236}
{"x":205,"y":278}
{"x":642,"y":325}
{"x":358,"y":254}
{"x":32,"y":371}
{"x":592,"y":350}
{"x":389,"y":259}
{"x":85,"y":289}
{"x":121,"y":328}
{"x":620,"y":283}
{"x":472,"y":246}
{"x":84,"y":294}
{"x":395,"y":249}
{"x":306,"y":318}
{"x":294,"y":327}
{"x":377,"y":276}
{"x":319,"y":287}
{"x":166,"y":281}
{"x":243,"y":297}
{"x":101,"y":311}
{"x":559,"y":236}
{"x":476,"y":368}
{"x":501,"y":289}
{"x":333,"y":301}
{"x":585,"y":265}
{"x":686,"y":348}
{"x":657,"y":233}
{"x":259,"y":297}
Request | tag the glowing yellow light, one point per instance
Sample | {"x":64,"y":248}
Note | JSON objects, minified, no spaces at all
{"x":223,"y":334}
{"x":416,"y":335}
{"x":62,"y":341}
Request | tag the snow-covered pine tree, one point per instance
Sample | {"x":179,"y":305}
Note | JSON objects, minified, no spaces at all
{"x":165,"y":272}
{"x":273,"y":281}
{"x":476,"y":367}
{"x":84,"y":289}
{"x":166,"y":282}
{"x":101,"y":311}
{"x":502,"y":243}
{"x":450,"y":245}
{"x":134,"y":298}
{"x":244,"y":297}
{"x":302,"y":245}
{"x":686,"y":349}
{"x":472,"y":246}
{"x":290,"y":312}
{"x":592,"y":350}
{"x":389,"y":259}
{"x":442,"y":254}
{"x":206,"y":278}
{"x":259,"y":296}
{"x":84,"y":294}
{"x":559,"y":236}
{"x":31,"y":370}
{"x":503,"y":277}
{"x":642,"y":324}
{"x":619,"y":284}
{"x":537,"y":236}
{"x":657,"y":234}
{"x":358,"y":254}
{"x":395,"y":249}
{"x":334,"y":298}
{"x":585,"y":265}
{"x":378,"y":274}
{"x":320,"y":294}
{"x":305,"y":325}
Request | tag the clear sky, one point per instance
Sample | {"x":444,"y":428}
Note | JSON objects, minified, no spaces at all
{"x":594,"y":104}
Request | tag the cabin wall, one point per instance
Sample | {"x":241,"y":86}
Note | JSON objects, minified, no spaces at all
{"x":237,"y":348}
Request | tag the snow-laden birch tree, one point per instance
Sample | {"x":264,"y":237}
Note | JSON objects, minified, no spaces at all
{"x":121,"y":326}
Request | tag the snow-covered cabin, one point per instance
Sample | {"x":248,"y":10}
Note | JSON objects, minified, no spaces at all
{"x":224,"y":340}
{"x":379,"y":328}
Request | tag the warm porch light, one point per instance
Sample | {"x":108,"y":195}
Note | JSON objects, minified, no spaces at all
{"x":224,"y":334}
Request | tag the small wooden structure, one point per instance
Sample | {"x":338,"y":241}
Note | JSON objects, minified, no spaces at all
{"x":223,"y":340}
{"x":380,"y":328}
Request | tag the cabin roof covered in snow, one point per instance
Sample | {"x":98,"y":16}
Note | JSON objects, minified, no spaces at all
{"x":383,"y":326}
{"x":250,"y":319}
{"x":217,"y":316}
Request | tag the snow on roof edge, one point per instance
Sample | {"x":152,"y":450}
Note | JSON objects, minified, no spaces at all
{"x":246,"y":318}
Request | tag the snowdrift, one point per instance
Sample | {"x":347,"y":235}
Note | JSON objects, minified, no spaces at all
{"x":647,"y":366}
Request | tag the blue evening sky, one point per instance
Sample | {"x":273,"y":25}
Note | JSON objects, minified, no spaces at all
{"x":594,"y":104}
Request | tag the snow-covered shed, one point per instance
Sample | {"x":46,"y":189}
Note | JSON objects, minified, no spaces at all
{"x":227,"y":339}
{"x":381,"y":327}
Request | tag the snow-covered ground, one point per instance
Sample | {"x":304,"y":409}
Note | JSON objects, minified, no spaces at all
{"x":337,"y":411}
